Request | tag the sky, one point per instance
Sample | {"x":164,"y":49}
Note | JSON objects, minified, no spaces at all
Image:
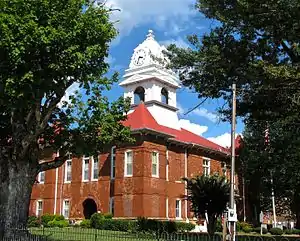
{"x":171,"y":21}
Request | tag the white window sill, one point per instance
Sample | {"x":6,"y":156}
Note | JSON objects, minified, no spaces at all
{"x":94,"y":180}
{"x":85,"y":180}
{"x":41,"y":183}
{"x":178,"y":218}
{"x":127,"y":175}
{"x":156,"y":176}
{"x":178,"y":182}
{"x":67,"y":182}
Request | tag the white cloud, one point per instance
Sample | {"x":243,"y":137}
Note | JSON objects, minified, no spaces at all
{"x":192,"y":127}
{"x":181,"y":110}
{"x":222,"y":140}
{"x":179,"y":42}
{"x":160,"y":13}
{"x":206,"y":114}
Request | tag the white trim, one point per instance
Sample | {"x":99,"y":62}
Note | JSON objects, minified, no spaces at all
{"x":36,"y":208}
{"x":93,"y":169}
{"x":111,"y":205}
{"x":66,"y":171}
{"x":84,"y":158}
{"x":39,"y":177}
{"x":167,"y":164}
{"x":157,"y":164}
{"x":180,"y":213}
{"x":167,"y":207}
{"x":113,"y":162}
{"x":55,"y":190}
{"x":206,"y":165}
{"x":125,"y":163}
{"x":63,"y":209}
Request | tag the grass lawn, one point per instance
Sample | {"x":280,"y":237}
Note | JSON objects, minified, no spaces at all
{"x":80,"y":234}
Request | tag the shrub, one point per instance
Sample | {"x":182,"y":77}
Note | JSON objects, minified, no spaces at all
{"x":33,"y":221}
{"x":85,"y":223}
{"x":46,"y":218}
{"x":288,"y":231}
{"x":58,"y":223}
{"x":276,"y":231}
{"x":182,"y":227}
{"x":257,"y":230}
{"x":244,"y":227}
{"x":296,"y":231}
{"x":108,"y":216}
{"x":96,"y":220}
{"x":219,"y":225}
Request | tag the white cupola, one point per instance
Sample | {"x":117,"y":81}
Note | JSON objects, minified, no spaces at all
{"x":149,"y":81}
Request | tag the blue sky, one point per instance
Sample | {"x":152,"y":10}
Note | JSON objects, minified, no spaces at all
{"x":171,"y":21}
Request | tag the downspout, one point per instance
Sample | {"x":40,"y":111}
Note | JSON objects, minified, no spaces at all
{"x":167,"y":179}
{"x":55,"y":187}
{"x":185,"y":185}
{"x":61,"y":191}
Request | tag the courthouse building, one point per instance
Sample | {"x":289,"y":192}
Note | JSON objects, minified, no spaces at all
{"x":144,"y":178}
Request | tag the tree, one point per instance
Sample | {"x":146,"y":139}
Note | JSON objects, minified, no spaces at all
{"x":208,"y":194}
{"x":47,"y":46}
{"x":278,"y":159}
{"x":255,"y":45}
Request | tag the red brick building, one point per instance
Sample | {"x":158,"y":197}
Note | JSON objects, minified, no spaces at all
{"x":142,"y":179}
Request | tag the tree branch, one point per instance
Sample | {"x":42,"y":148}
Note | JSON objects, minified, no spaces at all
{"x":57,"y":162}
{"x":289,"y":52}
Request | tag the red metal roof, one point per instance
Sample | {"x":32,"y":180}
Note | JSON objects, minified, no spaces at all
{"x":141,"y":118}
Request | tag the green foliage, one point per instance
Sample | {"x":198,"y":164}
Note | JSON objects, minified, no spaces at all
{"x":86,"y":223}
{"x":50,"y":49}
{"x":58,"y":223}
{"x":219,"y":227}
{"x":276,"y":231}
{"x":257,"y":230}
{"x":244,"y":227}
{"x":33,"y":221}
{"x":96,"y":219}
{"x":108,"y":216}
{"x":46,"y":218}
{"x":208,"y":193}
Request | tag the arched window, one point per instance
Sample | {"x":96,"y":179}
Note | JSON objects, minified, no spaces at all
{"x":139,"y":95}
{"x":164,"y":96}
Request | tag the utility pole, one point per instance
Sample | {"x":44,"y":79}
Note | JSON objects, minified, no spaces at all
{"x":232,"y":217}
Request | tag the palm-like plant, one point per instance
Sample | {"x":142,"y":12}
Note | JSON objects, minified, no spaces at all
{"x":208,"y":194}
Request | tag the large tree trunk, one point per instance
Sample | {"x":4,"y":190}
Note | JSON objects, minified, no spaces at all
{"x":16,"y":184}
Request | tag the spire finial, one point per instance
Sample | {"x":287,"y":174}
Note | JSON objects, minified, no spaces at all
{"x":150,"y":34}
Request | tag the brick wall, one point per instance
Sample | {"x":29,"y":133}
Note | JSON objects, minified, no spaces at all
{"x":139,"y":195}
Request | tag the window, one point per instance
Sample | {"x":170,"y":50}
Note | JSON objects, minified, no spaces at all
{"x":139,"y":95}
{"x":95,"y":168}
{"x":178,"y":209}
{"x":85,"y":168}
{"x":41,"y":177}
{"x":128,"y":164}
{"x":155,"y":164}
{"x":112,"y":205}
{"x":113,"y":163}
{"x":206,"y":166}
{"x":39,"y":208}
{"x":164,"y":96}
{"x":68,"y":171}
{"x":66,"y":208}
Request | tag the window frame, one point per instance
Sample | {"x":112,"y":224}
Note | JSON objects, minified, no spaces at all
{"x":39,"y":177}
{"x":37,"y":207}
{"x":157,"y":164}
{"x":93,"y":169}
{"x":206,"y":166}
{"x":66,"y":171}
{"x":64,"y":206}
{"x":125,"y":164}
{"x":113,"y":162}
{"x":179,"y":209}
{"x":84,"y":158}
{"x":164,"y":94}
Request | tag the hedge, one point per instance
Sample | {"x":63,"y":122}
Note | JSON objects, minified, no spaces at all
{"x":142,"y":224}
{"x":276,"y":231}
